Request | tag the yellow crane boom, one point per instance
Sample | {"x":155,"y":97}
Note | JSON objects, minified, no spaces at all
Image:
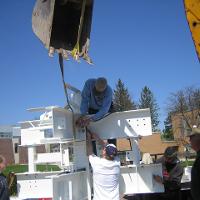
{"x":192,"y":10}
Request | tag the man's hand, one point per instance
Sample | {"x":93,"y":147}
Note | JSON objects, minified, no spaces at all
{"x":158,"y":179}
{"x":83,"y":121}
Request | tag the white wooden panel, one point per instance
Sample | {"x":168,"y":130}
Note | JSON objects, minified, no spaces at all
{"x":31,"y":136}
{"x":62,"y":123}
{"x":49,"y":157}
{"x":34,"y":186}
{"x":139,"y":179}
{"x":80,"y":157}
{"x":70,"y":187}
{"x":123,"y":124}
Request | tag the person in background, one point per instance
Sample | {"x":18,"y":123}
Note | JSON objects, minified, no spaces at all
{"x":4,"y":191}
{"x":172,"y":174}
{"x":106,"y":170}
{"x":195,"y":174}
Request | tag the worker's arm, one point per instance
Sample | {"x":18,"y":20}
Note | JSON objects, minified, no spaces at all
{"x":84,"y":120}
{"x":93,"y":159}
{"x":97,"y":138}
{"x":105,"y":106}
{"x":85,"y":94}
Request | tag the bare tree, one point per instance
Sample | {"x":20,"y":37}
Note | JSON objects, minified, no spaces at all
{"x":184,"y":108}
{"x":186,"y":104}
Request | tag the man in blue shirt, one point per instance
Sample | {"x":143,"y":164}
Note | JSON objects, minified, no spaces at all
{"x":96,"y":100}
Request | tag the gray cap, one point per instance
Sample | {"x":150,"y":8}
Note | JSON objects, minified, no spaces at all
{"x":170,"y":152}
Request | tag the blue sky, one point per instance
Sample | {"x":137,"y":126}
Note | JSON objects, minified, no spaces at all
{"x":142,"y":42}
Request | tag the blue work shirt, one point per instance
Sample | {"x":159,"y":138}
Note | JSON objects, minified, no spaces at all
{"x":101,"y":103}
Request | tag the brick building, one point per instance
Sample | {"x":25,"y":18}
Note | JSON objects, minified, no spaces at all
{"x":10,"y":141}
{"x":182,"y":124}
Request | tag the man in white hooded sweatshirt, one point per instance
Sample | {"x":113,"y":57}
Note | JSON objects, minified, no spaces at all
{"x":106,"y":170}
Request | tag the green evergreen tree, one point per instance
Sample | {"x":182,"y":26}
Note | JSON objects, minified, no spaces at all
{"x":167,"y":132}
{"x":147,"y":100}
{"x":122,"y":100}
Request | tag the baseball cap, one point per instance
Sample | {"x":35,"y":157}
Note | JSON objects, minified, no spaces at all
{"x":111,"y":150}
{"x":170,"y":152}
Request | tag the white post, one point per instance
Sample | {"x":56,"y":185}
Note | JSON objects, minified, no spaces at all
{"x":136,"y":151}
{"x":61,"y":155}
{"x":88,"y":175}
{"x":88,"y":182}
{"x":31,"y":159}
{"x":66,"y":157}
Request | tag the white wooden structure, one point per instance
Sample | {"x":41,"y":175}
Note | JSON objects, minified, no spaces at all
{"x":56,"y":126}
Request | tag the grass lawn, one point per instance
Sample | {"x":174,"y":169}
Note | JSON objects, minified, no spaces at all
{"x":24,"y":168}
{"x":187,"y":163}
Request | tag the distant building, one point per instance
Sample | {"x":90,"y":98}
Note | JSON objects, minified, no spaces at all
{"x":6,"y":131}
{"x":182,"y":124}
{"x":10,"y":140}
{"x":9,"y":143}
